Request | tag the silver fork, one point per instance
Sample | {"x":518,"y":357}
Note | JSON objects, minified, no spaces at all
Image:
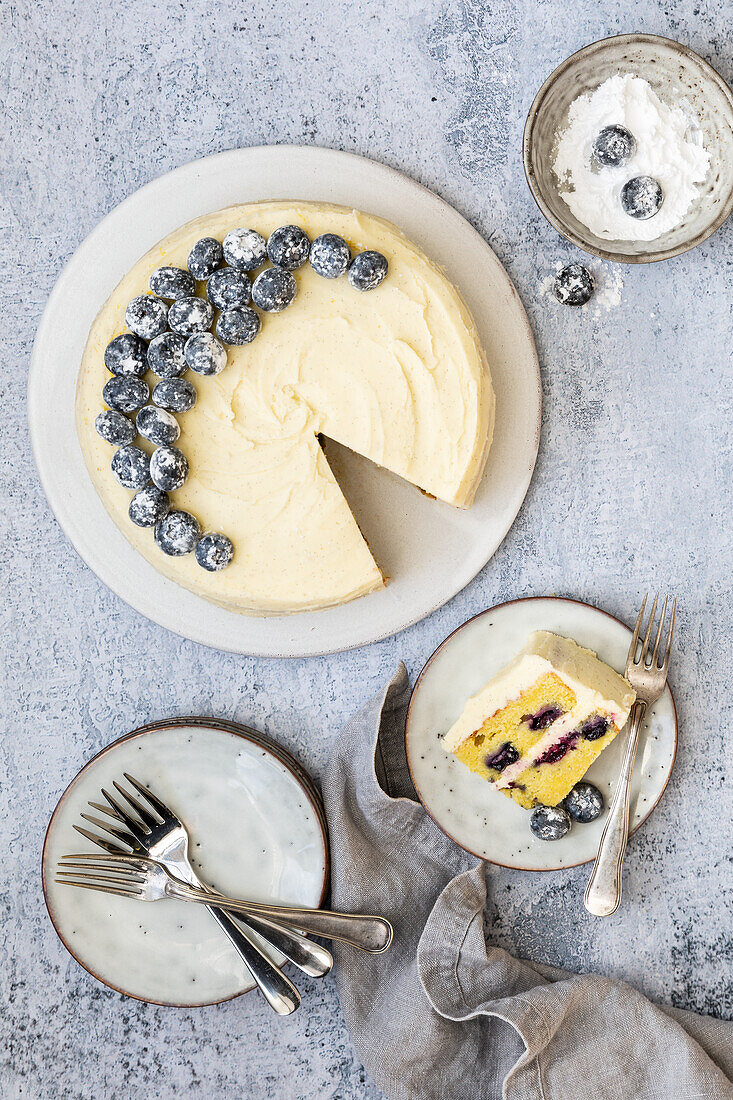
{"x":165,"y":839}
{"x":647,"y":676}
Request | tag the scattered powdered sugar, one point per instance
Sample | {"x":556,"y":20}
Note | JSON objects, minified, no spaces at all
{"x":668,"y":148}
{"x":609,"y":283}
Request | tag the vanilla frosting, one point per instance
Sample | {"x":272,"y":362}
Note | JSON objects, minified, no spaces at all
{"x":396,"y":374}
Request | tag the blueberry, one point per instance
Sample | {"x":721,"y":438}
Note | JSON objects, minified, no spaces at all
{"x":204,"y":353}
{"x":126,"y":354}
{"x":330,"y":256}
{"x":503,"y":757}
{"x":549,"y":822}
{"x":157,"y":425}
{"x":367,"y":270}
{"x":214,"y":552}
{"x":190,"y":315}
{"x":614,"y":146}
{"x":228,"y":288}
{"x":125,"y":394}
{"x":165,"y":355}
{"x":245,"y":249}
{"x":238,"y":326}
{"x":641,"y":197}
{"x":174,"y":394}
{"x":574,"y":285}
{"x":148,"y":506}
{"x":595,"y":728}
{"x":288,"y":247}
{"x":131,"y":467}
{"x":146,"y":316}
{"x":560,"y":749}
{"x":274,"y":289}
{"x":543,"y":719}
{"x":584,"y":803}
{"x":172,"y":283}
{"x":204,"y":258}
{"x":168,"y":468}
{"x":177,"y":533}
{"x":115,"y":428}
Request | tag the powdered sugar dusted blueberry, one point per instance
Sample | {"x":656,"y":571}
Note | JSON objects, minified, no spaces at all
{"x":330,"y":256}
{"x":126,"y":394}
{"x":177,"y":533}
{"x":367,"y":270}
{"x":126,"y":354}
{"x":115,"y":428}
{"x":174,"y":394}
{"x":614,"y":146}
{"x":189,"y":315}
{"x":168,"y":468}
{"x":238,"y":326}
{"x":288,"y":247}
{"x":172,"y":283}
{"x":166,"y":355}
{"x":228,"y":288}
{"x":274,"y":289}
{"x":131,"y":467}
{"x":204,"y":353}
{"x":549,"y":822}
{"x":574,"y":285}
{"x":245,"y":249}
{"x":146,"y":316}
{"x":642,"y":197}
{"x":214,"y":552}
{"x":204,"y":258}
{"x":157,"y":425}
{"x":148,"y":506}
{"x":584,"y":803}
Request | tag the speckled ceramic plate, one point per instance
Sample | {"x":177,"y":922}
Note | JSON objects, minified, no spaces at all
{"x":429,"y":550}
{"x":257,"y":830}
{"x":465,"y":807}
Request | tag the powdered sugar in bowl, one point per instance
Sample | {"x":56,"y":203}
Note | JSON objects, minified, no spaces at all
{"x":683,"y":82}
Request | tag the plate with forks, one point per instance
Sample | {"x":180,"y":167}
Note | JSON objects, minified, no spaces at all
{"x":244,"y":816}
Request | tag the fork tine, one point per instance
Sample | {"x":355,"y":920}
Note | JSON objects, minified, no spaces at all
{"x":158,"y":806}
{"x":660,"y":628}
{"x":668,"y":648}
{"x":103,"y":809}
{"x":647,"y":636}
{"x":637,"y":630}
{"x":142,"y":811}
{"x":119,"y":878}
{"x":132,"y":825}
{"x":114,"y":859}
{"x":121,"y":834}
{"x":101,"y":842}
{"x":102,"y":889}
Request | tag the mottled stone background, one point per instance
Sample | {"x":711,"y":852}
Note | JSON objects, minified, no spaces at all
{"x":632,"y":488}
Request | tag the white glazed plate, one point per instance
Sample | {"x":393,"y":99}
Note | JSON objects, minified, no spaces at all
{"x":429,"y":550}
{"x":466,"y":807}
{"x":257,"y":831}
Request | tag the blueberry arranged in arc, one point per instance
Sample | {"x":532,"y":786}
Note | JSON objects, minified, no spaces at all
{"x":641,"y":197}
{"x":549,"y":822}
{"x":115,"y":428}
{"x":174,"y":394}
{"x":204,"y":353}
{"x":274,"y":289}
{"x":288,"y":247}
{"x":157,"y":425}
{"x":584,"y":803}
{"x":214,"y":552}
{"x":166,"y":355}
{"x":574,"y":285}
{"x":126,"y":354}
{"x":245,"y":249}
{"x":238,"y":326}
{"x":177,"y":533}
{"x":330,"y":256}
{"x":204,"y":258}
{"x":172,"y":283}
{"x":168,"y":468}
{"x":614,"y":146}
{"x":148,"y":506}
{"x":125,"y":394}
{"x":367,"y":270}
{"x":189,"y":315}
{"x":146,"y":316}
{"x":595,"y":728}
{"x":228,"y":288}
{"x":131,"y":467}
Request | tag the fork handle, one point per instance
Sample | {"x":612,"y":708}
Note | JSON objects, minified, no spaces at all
{"x":276,"y":987}
{"x":603,"y":893}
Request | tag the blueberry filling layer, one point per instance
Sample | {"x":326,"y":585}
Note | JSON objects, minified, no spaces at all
{"x":543,"y":718}
{"x":503,"y":757}
{"x":557,"y":751}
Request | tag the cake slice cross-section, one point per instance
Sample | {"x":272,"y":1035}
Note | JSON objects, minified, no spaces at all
{"x":537,"y":726}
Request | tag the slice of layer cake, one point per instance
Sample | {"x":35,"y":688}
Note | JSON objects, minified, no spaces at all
{"x":536,"y":727}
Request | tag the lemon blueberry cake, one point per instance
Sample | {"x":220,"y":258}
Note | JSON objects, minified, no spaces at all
{"x":263,"y":308}
{"x":536,"y":727}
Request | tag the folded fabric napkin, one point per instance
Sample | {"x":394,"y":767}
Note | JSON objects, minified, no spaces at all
{"x":442,"y":1015}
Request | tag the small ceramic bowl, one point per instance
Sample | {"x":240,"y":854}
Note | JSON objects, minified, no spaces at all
{"x":676,"y":74}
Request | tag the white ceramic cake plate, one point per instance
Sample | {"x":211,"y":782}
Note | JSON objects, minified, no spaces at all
{"x":466,"y":807}
{"x":257,"y":830}
{"x":429,"y":550}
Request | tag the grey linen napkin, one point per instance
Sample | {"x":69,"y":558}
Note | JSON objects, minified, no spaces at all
{"x":442,"y":1015}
